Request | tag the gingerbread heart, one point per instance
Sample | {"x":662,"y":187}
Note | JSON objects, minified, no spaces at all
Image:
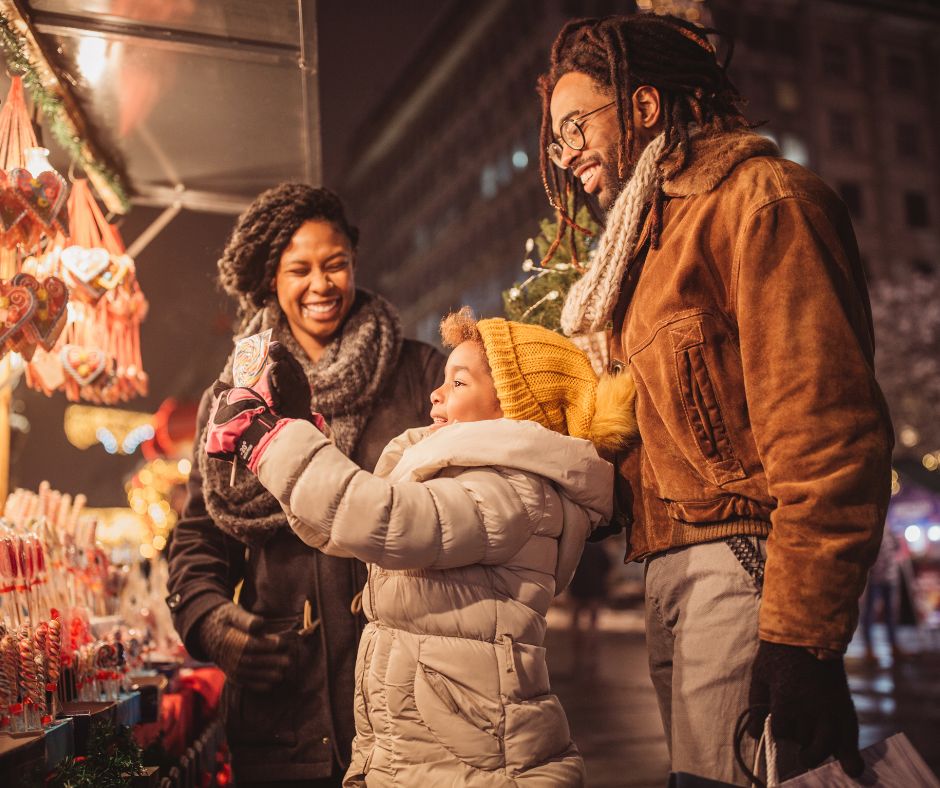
{"x":51,"y":309}
{"x":84,"y":364}
{"x":12,"y":209}
{"x":45,"y":372}
{"x":85,"y":264}
{"x":17,"y":307}
{"x":43,"y":195}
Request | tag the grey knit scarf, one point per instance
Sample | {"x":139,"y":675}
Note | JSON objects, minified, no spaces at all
{"x":345,"y":382}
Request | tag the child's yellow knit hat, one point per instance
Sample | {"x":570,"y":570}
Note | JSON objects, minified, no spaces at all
{"x":540,"y":376}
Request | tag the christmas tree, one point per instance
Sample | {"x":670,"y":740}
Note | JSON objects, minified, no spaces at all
{"x":550,"y":273}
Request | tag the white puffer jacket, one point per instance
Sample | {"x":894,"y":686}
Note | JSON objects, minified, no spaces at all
{"x":469,"y":532}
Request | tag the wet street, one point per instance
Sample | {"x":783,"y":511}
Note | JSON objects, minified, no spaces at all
{"x":615,"y":720}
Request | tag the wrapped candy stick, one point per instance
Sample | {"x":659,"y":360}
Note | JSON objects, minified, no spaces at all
{"x":9,"y":689}
{"x":27,"y":664}
{"x":9,"y":573}
{"x":40,"y":640}
{"x":53,"y":652}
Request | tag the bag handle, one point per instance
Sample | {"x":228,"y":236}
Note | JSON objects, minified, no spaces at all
{"x":766,"y":746}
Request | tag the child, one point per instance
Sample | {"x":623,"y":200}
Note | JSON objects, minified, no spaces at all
{"x":470,"y":526}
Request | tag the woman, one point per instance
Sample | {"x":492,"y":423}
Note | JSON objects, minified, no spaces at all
{"x":288,"y":645}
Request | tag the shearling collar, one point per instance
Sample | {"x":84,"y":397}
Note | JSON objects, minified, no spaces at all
{"x":712,"y":157}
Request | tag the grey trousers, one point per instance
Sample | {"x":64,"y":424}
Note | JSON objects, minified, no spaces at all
{"x":701,"y":633}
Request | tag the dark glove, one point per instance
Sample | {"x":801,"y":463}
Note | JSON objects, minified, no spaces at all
{"x":232,"y":637}
{"x":809,"y":702}
{"x":288,"y":385}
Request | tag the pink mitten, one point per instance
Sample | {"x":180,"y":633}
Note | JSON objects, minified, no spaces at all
{"x":239,"y":419}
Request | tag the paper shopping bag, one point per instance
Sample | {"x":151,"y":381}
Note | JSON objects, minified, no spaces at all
{"x":892,"y":763}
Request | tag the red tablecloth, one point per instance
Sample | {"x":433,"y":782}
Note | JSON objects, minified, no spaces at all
{"x":196,"y":702}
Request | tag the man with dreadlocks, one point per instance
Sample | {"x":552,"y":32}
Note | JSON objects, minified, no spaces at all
{"x":731,"y":282}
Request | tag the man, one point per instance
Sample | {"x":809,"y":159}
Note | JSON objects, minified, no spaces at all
{"x":732,"y":283}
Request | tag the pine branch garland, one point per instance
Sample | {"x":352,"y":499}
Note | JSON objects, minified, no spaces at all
{"x":53,"y":109}
{"x":113,"y":759}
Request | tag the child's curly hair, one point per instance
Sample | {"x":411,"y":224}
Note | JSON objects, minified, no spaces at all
{"x":251,"y":257}
{"x":460,"y":326}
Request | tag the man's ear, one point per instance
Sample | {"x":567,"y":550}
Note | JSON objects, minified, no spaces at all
{"x":647,"y":110}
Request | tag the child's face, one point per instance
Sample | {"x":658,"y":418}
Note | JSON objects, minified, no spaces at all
{"x":468,"y":393}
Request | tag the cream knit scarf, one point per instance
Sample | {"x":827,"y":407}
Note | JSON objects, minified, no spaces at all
{"x":590,"y":302}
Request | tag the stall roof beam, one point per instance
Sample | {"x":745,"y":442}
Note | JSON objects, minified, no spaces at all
{"x":186,"y":41}
{"x":191,"y":199}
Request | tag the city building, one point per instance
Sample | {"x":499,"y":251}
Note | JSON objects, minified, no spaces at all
{"x":851,"y":90}
{"x":443,"y":177}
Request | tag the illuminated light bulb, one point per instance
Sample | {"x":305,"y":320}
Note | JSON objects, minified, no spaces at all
{"x":37,"y":161}
{"x":930,"y":462}
{"x":184,"y":466}
{"x":912,"y":533}
{"x":933,"y":533}
{"x":92,"y":58}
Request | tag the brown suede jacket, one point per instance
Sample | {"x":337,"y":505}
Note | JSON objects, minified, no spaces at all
{"x":749,"y":334}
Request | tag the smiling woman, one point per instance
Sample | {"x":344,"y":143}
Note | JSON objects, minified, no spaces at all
{"x":288,"y":646}
{"x":316,"y":284}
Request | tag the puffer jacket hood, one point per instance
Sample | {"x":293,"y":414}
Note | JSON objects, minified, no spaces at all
{"x":572,"y":464}
{"x":468,"y":532}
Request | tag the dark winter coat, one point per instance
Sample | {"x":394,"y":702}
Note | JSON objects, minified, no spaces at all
{"x":297,"y":730}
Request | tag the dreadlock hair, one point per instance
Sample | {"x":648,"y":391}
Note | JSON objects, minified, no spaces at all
{"x":622,"y":53}
{"x":249,"y":263}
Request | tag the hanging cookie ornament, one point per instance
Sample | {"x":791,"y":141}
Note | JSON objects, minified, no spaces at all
{"x":32,"y":193}
{"x":98,"y":357}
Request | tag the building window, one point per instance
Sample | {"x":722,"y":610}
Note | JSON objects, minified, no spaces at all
{"x":787,"y":95}
{"x":851,"y":194}
{"x":908,"y":140}
{"x":794,"y":148}
{"x":755,"y":31}
{"x":835,"y":60}
{"x":915,"y":209}
{"x":787,"y":38}
{"x":842,"y":130}
{"x":901,"y":73}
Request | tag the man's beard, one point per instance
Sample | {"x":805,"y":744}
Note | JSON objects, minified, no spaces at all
{"x":606,"y":197}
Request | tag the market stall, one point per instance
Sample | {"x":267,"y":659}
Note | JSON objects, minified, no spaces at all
{"x":93,"y":680}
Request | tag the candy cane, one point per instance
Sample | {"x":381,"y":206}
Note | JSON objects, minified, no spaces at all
{"x":53,"y":646}
{"x":9,"y":691}
{"x":27,"y":656}
{"x":40,"y":637}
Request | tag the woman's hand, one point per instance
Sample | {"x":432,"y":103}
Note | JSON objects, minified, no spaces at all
{"x":286,"y":383}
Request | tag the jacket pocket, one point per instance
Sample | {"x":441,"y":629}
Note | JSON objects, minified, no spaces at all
{"x":701,"y":406}
{"x":455,"y":721}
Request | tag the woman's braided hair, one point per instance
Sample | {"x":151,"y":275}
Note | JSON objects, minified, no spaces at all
{"x":251,"y":257}
{"x":621,"y":54}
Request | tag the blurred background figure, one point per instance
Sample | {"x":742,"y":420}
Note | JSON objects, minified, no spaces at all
{"x":588,"y":591}
{"x":883,"y":586}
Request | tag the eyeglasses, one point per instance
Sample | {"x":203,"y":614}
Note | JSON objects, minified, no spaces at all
{"x":572,"y":134}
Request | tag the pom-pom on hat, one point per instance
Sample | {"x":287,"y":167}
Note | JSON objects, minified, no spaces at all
{"x":540,"y":376}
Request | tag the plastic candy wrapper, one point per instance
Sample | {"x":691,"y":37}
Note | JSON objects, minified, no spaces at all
{"x":251,"y":354}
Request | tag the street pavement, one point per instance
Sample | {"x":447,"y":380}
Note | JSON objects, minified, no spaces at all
{"x":615,"y":720}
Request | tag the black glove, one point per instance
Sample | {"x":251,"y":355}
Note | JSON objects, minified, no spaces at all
{"x":290,"y":389}
{"x":232,"y":637}
{"x":809,"y":702}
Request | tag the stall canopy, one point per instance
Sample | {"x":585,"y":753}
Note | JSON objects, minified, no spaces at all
{"x":201,"y":103}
